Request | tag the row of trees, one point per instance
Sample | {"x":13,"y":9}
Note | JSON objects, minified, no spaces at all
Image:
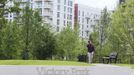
{"x":116,"y":32}
{"x":28,"y":37}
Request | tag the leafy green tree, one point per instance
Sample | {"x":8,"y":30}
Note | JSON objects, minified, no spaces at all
{"x":38,"y":41}
{"x":4,"y":9}
{"x":122,"y":26}
{"x":100,"y":36}
{"x":103,"y":26}
{"x":27,"y":26}
{"x":11,"y":41}
{"x":2,"y":23}
{"x":68,"y":41}
{"x":45,"y":44}
{"x":44,"y":41}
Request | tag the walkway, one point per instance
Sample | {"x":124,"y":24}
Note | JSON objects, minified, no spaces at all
{"x":99,"y":69}
{"x":105,"y":69}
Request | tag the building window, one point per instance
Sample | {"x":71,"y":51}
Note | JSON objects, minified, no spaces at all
{"x":82,"y":26}
{"x":58,"y":29}
{"x":79,"y":13}
{"x":38,"y":5}
{"x":65,"y":2}
{"x":83,"y":20}
{"x":83,"y":13}
{"x":87,"y":33}
{"x":58,"y":22}
{"x":71,"y":3}
{"x":68,"y":3}
{"x":58,"y":14}
{"x":70,"y":17}
{"x":70,"y":10}
{"x":64,"y":16}
{"x":94,"y":16}
{"x":64,"y":8}
{"x":87,"y":21}
{"x":58,"y":1}
{"x":58,"y":7}
{"x":64,"y":23}
{"x":67,"y":22}
{"x":10,"y":15}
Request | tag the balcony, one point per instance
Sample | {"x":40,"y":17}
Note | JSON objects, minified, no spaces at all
{"x":47,"y":14}
{"x":87,"y":16}
{"x":47,"y":6}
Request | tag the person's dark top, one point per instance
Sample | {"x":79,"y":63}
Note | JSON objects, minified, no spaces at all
{"x":90,"y":48}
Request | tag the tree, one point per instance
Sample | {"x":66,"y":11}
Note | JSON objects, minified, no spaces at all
{"x":2,"y":24}
{"x":38,"y":41}
{"x":45,"y":44}
{"x":11,"y":41}
{"x":104,"y":23}
{"x":27,"y":26}
{"x":68,"y":40}
{"x":122,"y":26}
{"x":100,"y":36}
{"x":4,"y":9}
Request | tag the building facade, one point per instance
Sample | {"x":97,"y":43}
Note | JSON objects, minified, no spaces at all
{"x":120,"y":1}
{"x":86,"y":17}
{"x":58,"y":13}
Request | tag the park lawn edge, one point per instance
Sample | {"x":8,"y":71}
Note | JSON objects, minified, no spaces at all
{"x":43,"y":62}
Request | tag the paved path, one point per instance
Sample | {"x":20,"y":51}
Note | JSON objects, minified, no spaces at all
{"x":105,"y":69}
{"x":99,"y":69}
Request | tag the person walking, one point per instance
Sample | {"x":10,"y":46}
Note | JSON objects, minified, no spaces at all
{"x":91,"y":51}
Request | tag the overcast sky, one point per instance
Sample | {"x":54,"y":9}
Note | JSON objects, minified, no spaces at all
{"x":110,"y":4}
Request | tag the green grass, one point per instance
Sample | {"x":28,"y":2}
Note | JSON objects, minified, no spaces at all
{"x":126,"y":65}
{"x":43,"y":62}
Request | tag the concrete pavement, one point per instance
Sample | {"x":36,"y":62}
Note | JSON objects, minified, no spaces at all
{"x":98,"y":69}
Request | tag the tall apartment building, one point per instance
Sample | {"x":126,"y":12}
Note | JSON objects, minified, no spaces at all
{"x":58,"y":13}
{"x":10,"y":3}
{"x":86,"y":17}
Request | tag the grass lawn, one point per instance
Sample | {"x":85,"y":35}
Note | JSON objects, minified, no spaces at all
{"x":43,"y":62}
{"x":126,"y":65}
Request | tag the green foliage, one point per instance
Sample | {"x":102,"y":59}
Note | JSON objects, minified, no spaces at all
{"x":11,"y":41}
{"x":38,"y":41}
{"x":123,"y":28}
{"x":103,"y":26}
{"x":27,"y":28}
{"x":44,"y":44}
{"x":68,"y":40}
{"x":27,"y":37}
{"x":100,"y":36}
{"x":8,"y":36}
